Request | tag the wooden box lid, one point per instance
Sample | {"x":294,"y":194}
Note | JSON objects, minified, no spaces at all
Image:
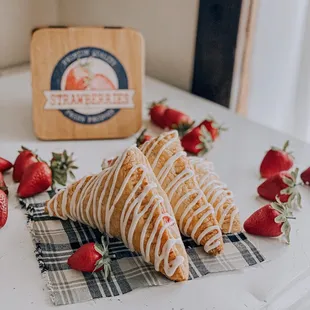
{"x":87,"y":82}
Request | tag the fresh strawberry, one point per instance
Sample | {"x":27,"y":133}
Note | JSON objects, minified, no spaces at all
{"x":197,"y":141}
{"x":282,"y":185}
{"x":38,"y":177}
{"x":5,"y":165}
{"x":270,"y":221}
{"x":157,"y":111}
{"x":23,"y":160}
{"x":3,"y":208}
{"x":305,"y":176}
{"x":3,"y":186}
{"x":175,"y":119}
{"x":91,"y":257}
{"x":143,"y":138}
{"x":213,"y":127}
{"x":276,"y":160}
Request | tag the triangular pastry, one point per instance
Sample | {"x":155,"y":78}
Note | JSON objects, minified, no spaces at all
{"x":126,"y":201}
{"x":217,"y":194}
{"x":194,"y":215}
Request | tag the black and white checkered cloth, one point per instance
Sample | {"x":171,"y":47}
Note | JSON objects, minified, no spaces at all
{"x":55,"y":240}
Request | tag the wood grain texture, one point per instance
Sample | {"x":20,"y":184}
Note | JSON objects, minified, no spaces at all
{"x":248,"y":15}
{"x":49,"y":45}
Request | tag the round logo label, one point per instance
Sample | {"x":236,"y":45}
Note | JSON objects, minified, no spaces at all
{"x":89,"y":86}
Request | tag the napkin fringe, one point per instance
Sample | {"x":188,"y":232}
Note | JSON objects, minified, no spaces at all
{"x":29,"y":211}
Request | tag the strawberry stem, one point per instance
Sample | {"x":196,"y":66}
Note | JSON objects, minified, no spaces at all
{"x":285,"y":146}
{"x":154,"y":103}
{"x":221,"y":128}
{"x":23,"y":148}
{"x":284,"y":149}
{"x":140,"y":139}
{"x":162,"y":101}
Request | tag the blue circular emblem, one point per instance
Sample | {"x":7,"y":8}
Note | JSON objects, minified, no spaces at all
{"x":88,"y":53}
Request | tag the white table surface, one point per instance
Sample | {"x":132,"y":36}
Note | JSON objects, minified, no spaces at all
{"x":281,"y":283}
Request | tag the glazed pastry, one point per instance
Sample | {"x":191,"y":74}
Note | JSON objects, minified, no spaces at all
{"x":217,"y":194}
{"x":126,"y":201}
{"x":194,"y":215}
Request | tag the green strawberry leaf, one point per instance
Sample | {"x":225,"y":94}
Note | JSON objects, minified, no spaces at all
{"x":280,"y":219}
{"x":286,"y":191}
{"x":278,"y":207}
{"x":210,"y":118}
{"x":294,"y":174}
{"x":292,"y":190}
{"x":298,"y":198}
{"x":286,"y":145}
{"x":279,"y":202}
{"x":206,"y":141}
{"x":291,"y":200}
{"x":56,"y":156}
{"x":199,"y":146}
{"x":288,"y":212}
{"x":288,"y":181}
{"x":105,"y":260}
{"x":99,"y":248}
{"x":72,"y":176}
{"x":107,"y":271}
{"x":62,"y":165}
{"x":286,"y":229}
{"x":59,"y":179}
{"x":182,"y":128}
{"x":221,"y":128}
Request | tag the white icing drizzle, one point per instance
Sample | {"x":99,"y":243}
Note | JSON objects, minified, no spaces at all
{"x":201,"y":163}
{"x":173,"y":186}
{"x":214,"y":189}
{"x":131,"y":214}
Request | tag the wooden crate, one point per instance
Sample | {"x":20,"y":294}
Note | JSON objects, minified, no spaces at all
{"x":87,"y":82}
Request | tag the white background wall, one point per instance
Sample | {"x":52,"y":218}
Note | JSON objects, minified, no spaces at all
{"x":169,"y":29}
{"x":275,"y":63}
{"x":168,"y":26}
{"x":17,"y":19}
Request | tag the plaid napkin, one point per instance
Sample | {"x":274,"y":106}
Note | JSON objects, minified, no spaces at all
{"x":55,"y":240}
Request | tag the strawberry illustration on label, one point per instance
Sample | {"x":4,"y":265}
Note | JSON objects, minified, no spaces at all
{"x":99,"y":81}
{"x":89,"y":86}
{"x":78,"y":78}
